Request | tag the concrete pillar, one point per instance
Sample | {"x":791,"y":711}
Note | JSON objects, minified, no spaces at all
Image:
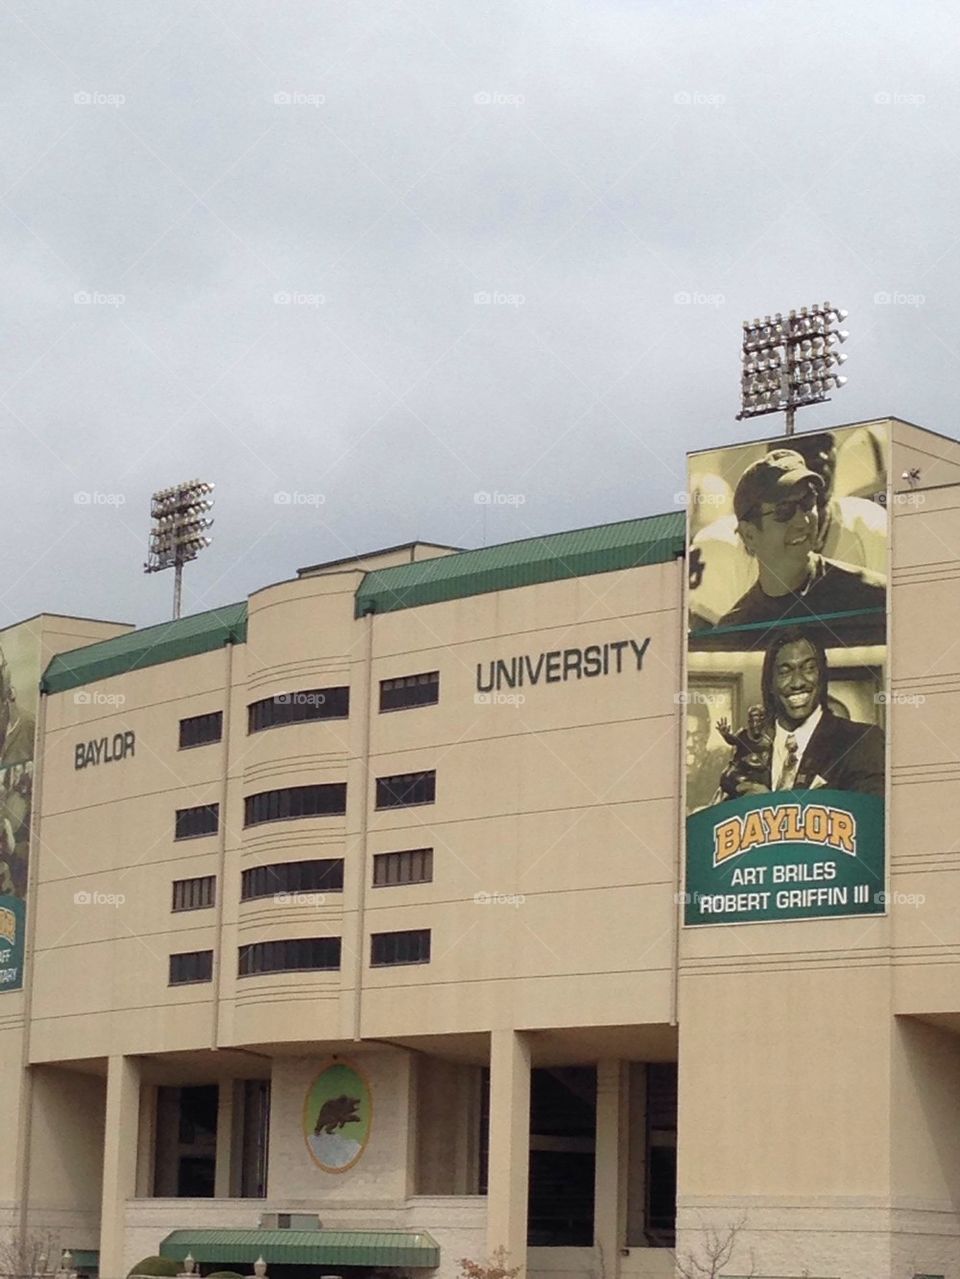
{"x":609,"y":1196}
{"x":224,"y":1164}
{"x":147,"y":1153}
{"x":508,"y":1176}
{"x":121,"y":1133}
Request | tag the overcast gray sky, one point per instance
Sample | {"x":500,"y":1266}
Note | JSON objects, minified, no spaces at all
{"x":252,"y":241}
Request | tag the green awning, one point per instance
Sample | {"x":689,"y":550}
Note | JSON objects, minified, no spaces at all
{"x":166,"y":642}
{"x":85,"y":1259}
{"x":605,"y":548}
{"x":305,"y":1247}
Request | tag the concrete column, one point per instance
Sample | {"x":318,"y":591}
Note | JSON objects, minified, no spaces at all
{"x":609,"y":1193}
{"x":508,"y":1176}
{"x":121,"y":1133}
{"x":147,"y":1153}
{"x":224,"y":1164}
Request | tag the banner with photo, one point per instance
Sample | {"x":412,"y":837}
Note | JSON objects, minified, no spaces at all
{"x":786,"y":681}
{"x":19,"y":682}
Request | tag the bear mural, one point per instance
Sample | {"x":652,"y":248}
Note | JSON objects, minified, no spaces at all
{"x":336,"y":1117}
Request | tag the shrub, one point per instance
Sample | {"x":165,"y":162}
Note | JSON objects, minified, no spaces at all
{"x":165,"y":1267}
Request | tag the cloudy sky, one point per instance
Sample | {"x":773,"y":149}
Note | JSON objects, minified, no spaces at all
{"x":360,"y":262}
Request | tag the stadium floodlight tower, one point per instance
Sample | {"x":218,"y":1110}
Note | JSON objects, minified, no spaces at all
{"x":788,"y":361}
{"x":180,"y":522}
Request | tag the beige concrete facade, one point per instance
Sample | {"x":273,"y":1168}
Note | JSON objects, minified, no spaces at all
{"x":818,"y":1099}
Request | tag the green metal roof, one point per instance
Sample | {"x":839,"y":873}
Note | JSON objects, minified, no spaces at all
{"x":85,"y":1258}
{"x":184,"y":637}
{"x":655,"y":539}
{"x":305,"y":1247}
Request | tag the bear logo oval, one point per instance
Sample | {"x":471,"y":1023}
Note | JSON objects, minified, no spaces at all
{"x":336,"y":1117}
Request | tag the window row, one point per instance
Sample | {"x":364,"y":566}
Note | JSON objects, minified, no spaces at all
{"x":320,"y":875}
{"x":311,"y":704}
{"x":303,"y":954}
{"x":326,"y":799}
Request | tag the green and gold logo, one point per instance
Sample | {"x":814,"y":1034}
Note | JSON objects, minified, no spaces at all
{"x":337,"y":1113}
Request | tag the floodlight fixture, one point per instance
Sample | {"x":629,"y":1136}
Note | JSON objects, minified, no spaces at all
{"x":788,"y":361}
{"x":178,"y":535}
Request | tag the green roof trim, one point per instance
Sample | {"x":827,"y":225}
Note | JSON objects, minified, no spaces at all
{"x":85,"y":1258}
{"x":166,"y":642}
{"x":605,"y":548}
{"x":305,"y":1247}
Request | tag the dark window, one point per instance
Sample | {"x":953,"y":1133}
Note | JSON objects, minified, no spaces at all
{"x":199,"y":730}
{"x":411,"y":866}
{"x":194,"y":894}
{"x":563,"y":1122}
{"x":301,"y":954}
{"x":203,"y":820}
{"x":297,"y":708}
{"x":194,"y":965}
{"x":295,"y":801}
{"x":410,"y":690}
{"x":406,"y":789}
{"x":661,"y":1176}
{"x":410,"y":947}
{"x":324,"y":875}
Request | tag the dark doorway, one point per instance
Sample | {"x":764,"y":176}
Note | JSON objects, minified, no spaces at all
{"x":186,"y":1152}
{"x":563,"y":1123}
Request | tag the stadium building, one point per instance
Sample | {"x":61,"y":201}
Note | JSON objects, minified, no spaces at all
{"x":595,"y":895}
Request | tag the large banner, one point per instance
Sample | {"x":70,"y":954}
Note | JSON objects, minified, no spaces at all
{"x":19,"y":682}
{"x":786,"y":695}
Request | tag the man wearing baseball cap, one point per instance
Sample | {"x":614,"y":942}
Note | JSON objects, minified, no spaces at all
{"x":777,"y":505}
{"x":852,"y":529}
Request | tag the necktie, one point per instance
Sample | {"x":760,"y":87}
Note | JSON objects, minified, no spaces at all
{"x":791,"y":761}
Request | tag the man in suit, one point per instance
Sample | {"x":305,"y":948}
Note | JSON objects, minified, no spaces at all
{"x":813,"y":747}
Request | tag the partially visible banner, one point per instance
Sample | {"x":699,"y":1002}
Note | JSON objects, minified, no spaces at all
{"x":786,"y":689}
{"x":19,"y":682}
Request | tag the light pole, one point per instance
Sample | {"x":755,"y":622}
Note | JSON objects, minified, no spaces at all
{"x":180,"y":520}
{"x":787,"y":361}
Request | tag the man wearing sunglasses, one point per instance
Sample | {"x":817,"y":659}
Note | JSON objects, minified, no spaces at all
{"x":852,"y":529}
{"x":777,"y":504}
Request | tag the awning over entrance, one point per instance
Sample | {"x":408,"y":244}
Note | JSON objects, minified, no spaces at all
{"x":85,"y":1259}
{"x":305,"y":1247}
